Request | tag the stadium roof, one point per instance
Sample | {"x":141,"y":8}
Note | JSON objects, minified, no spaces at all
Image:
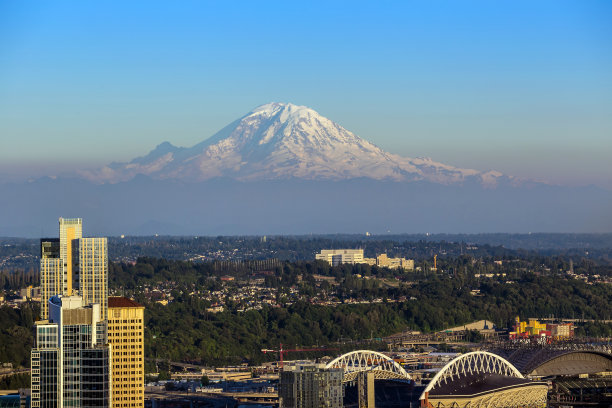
{"x":479,"y":384}
{"x":547,"y":361}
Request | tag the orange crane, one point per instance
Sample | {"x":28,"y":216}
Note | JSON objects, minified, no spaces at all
{"x":281,"y":351}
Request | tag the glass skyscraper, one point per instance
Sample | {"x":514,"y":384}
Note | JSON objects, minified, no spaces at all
{"x":71,"y":360}
{"x":91,"y":272}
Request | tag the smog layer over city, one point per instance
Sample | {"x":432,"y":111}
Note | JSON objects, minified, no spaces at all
{"x":306,"y":204}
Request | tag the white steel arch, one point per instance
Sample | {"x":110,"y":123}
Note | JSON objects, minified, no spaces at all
{"x":367,"y":360}
{"x":474,"y":362}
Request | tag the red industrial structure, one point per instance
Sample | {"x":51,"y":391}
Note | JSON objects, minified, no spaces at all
{"x":281,"y":351}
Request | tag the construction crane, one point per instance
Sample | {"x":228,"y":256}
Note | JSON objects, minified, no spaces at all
{"x":281,"y":351}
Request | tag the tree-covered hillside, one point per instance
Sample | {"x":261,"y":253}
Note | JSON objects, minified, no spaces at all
{"x":425,"y":301}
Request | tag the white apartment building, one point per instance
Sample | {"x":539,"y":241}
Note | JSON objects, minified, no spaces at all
{"x":340,"y":256}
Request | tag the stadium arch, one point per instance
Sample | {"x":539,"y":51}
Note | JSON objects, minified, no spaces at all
{"x":358,"y":361}
{"x":482,"y":379}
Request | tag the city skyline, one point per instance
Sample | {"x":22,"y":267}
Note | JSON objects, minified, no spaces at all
{"x":88,"y":350}
{"x":71,"y":357}
{"x":518,"y":87}
{"x":411,"y":329}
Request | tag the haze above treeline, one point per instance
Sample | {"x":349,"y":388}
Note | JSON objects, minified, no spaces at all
{"x":285,"y":169}
{"x":22,"y":253}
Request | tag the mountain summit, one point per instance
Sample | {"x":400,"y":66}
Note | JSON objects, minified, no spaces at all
{"x":284,"y":141}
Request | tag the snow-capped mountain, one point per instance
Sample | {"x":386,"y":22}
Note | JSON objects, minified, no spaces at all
{"x":284,"y":141}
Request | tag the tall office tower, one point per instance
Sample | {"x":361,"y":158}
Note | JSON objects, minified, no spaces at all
{"x":51,"y":273}
{"x":91,"y":272}
{"x":311,"y":386}
{"x":74,"y":265}
{"x":126,"y":335}
{"x":57,"y":261}
{"x":70,"y":229}
{"x":71,"y":361}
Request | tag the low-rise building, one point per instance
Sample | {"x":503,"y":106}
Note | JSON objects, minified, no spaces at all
{"x":561,"y":330}
{"x":355,"y":256}
{"x":533,"y":327}
{"x":30,"y":292}
{"x":340,"y":256}
{"x":383,"y":260}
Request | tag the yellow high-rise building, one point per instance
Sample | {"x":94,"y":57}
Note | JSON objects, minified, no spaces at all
{"x":126,"y":334}
{"x":73,"y":265}
{"x":70,"y":229}
{"x":56,"y":262}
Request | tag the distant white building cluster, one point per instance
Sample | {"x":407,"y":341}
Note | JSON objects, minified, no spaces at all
{"x":340,"y":256}
{"x":337,"y":257}
{"x":383,"y":260}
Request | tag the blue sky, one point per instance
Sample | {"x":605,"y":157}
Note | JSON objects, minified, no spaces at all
{"x":524,"y":87}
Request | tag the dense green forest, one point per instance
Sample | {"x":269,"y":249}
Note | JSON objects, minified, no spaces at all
{"x":183,"y":330}
{"x":15,"y":382}
{"x":425,"y":300}
{"x":16,"y":333}
{"x":185,"y":274}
